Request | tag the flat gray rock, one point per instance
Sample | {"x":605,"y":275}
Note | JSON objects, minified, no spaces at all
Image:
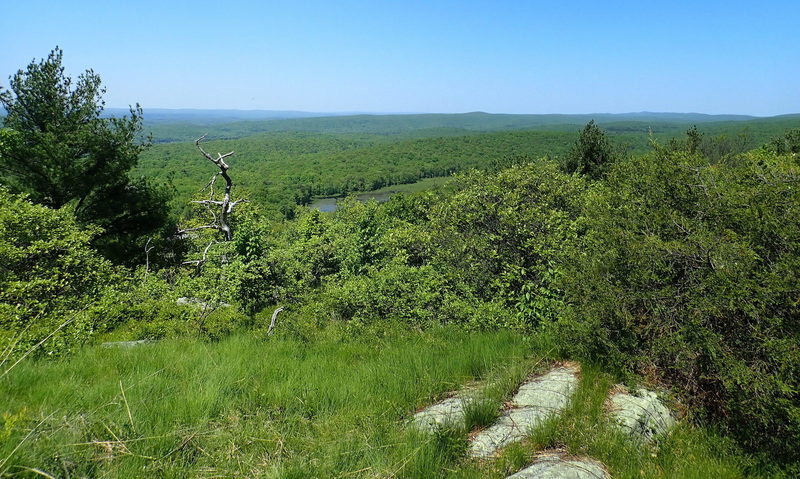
{"x":125,"y":344}
{"x":559,"y":466}
{"x":550,"y":391}
{"x":449,"y":412}
{"x":511,"y":427}
{"x":641,"y":414}
{"x":537,"y":400}
{"x":198,"y":304}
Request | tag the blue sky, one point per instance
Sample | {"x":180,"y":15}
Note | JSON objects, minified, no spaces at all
{"x":428,"y":56}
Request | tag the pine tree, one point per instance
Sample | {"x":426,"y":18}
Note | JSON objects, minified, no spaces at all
{"x":60,"y":151}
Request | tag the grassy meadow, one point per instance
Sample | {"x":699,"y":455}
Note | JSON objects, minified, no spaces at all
{"x":336,"y":406}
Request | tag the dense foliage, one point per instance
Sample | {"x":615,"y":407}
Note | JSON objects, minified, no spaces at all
{"x":786,"y":144}
{"x":48,"y":274}
{"x":58,"y":150}
{"x":688,"y":272}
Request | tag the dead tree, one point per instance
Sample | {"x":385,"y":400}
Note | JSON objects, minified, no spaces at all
{"x":219,"y":218}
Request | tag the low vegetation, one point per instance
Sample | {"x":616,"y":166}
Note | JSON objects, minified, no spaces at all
{"x":336,"y":406}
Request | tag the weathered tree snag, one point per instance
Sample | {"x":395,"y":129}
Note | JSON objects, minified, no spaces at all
{"x":199,"y":262}
{"x":219,"y":221}
{"x":272,"y":323}
{"x":220,"y":211}
{"x":147,"y":250}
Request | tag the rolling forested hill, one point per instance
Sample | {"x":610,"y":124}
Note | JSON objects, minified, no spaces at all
{"x":286,"y":168}
{"x":296,"y":159}
{"x":182,"y":129}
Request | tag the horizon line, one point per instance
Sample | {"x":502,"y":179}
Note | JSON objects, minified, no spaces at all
{"x":386,"y":113}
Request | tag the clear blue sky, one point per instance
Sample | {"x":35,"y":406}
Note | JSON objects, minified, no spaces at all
{"x":428,"y":56}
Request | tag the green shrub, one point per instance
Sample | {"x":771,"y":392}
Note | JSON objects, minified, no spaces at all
{"x":48,"y":275}
{"x":688,"y":272}
{"x":786,"y":144}
{"x":144,"y":307}
{"x":486,"y":254}
{"x":505,"y":235}
{"x":398,"y":292}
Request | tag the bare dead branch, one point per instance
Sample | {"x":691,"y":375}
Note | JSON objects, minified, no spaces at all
{"x":243,"y":200}
{"x":147,"y":250}
{"x":197,"y":144}
{"x":197,"y":228}
{"x":222,"y":157}
{"x":211,"y":186}
{"x":199,"y":262}
{"x":272,"y":322}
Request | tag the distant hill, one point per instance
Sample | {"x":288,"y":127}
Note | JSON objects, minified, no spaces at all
{"x":167,"y":125}
{"x":412,"y":125}
{"x":205,"y":117}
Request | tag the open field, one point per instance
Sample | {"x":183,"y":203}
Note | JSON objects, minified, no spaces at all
{"x":334,"y":407}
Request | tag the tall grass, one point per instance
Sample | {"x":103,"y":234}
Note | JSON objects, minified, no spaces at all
{"x":280,"y":408}
{"x":328,"y":408}
{"x":584,"y":429}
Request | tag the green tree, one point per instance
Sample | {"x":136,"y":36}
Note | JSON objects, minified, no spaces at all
{"x":60,"y":151}
{"x":687,"y":271}
{"x":694,"y":139}
{"x":591,"y":154}
{"x":48,"y":273}
{"x":786,"y":144}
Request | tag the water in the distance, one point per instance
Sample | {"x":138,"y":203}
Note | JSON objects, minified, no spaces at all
{"x":328,"y":205}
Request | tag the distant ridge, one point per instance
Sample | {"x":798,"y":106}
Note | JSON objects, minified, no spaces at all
{"x":201,"y":116}
{"x":182,"y":125}
{"x":210,"y":116}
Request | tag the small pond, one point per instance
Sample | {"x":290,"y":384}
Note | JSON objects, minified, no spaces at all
{"x":328,"y":204}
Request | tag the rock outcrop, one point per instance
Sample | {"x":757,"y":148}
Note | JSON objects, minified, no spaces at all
{"x":554,"y":465}
{"x":640,"y":413}
{"x":536,"y":401}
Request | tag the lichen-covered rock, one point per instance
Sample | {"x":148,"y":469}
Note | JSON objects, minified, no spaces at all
{"x":199,"y":304}
{"x":641,"y":413}
{"x":536,"y":401}
{"x":560,"y":466}
{"x":449,"y":412}
{"x":125,"y":344}
{"x":511,"y":427}
{"x":551,"y":391}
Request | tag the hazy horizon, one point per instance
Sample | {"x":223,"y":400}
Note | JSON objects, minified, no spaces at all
{"x":352,"y":112}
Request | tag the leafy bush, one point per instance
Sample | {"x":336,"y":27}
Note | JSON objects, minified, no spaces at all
{"x":505,"y":235}
{"x":688,"y":272}
{"x":399,"y":292}
{"x":484,"y":253}
{"x":48,"y":275}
